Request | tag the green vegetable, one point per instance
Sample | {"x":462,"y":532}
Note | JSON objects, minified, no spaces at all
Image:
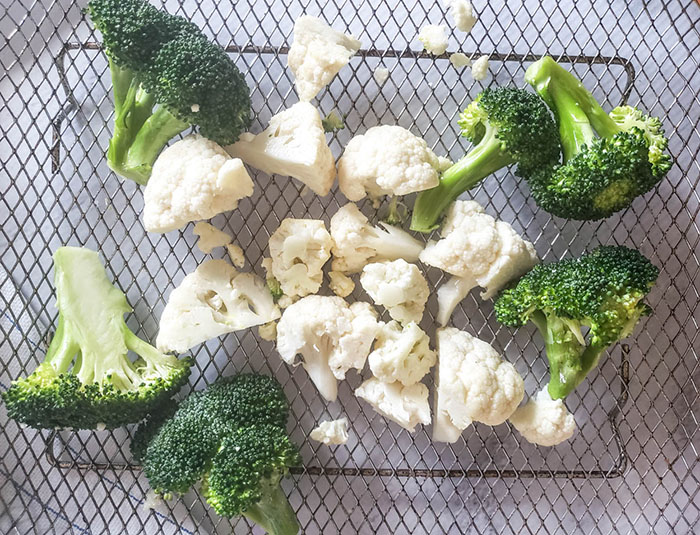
{"x":600,"y":175}
{"x":601,"y":291}
{"x":332,"y":122}
{"x":87,"y":378}
{"x":166,"y":76}
{"x":507,"y":126}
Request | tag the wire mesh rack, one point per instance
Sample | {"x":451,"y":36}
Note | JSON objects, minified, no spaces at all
{"x":632,"y":465}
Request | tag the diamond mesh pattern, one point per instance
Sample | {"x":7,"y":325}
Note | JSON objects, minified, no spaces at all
{"x":631,"y":467}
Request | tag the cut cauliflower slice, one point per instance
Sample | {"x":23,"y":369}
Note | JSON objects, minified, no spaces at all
{"x":331,"y":337}
{"x":434,"y":38}
{"x":398,"y":286}
{"x":235,"y":253}
{"x":480,"y":68}
{"x":356,"y":242}
{"x":387,"y":160}
{"x":294,"y":144}
{"x":340,"y":284}
{"x":317,"y":54}
{"x":331,"y":432}
{"x":213,"y":300}
{"x":463,"y":14}
{"x":543,"y":420}
{"x":479,"y":251}
{"x":402,"y":355}
{"x":473,"y":384}
{"x":405,"y":405}
{"x":459,"y":60}
{"x":210,"y":237}
{"x":299,"y":248}
{"x":192,"y":179}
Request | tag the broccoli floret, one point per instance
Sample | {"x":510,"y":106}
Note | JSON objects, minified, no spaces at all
{"x":150,"y":427}
{"x":87,"y":379}
{"x":245,"y":478}
{"x":600,"y":175}
{"x":507,"y":126}
{"x":601,"y":291}
{"x":166,"y":76}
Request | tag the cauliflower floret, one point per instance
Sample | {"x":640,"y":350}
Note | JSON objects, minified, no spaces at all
{"x":317,"y":54}
{"x":381,"y":75}
{"x":294,"y":144}
{"x":331,"y":336}
{"x":268,"y":331}
{"x":459,"y":60}
{"x":478,"y":250}
{"x":341,"y":284}
{"x":299,"y":248}
{"x":192,"y":179}
{"x":213,"y":300}
{"x":480,"y":68}
{"x":473,"y":384}
{"x":331,"y":432}
{"x":398,"y":286}
{"x":543,"y":420}
{"x":210,"y":237}
{"x":235,"y":253}
{"x":387,"y":160}
{"x":402,"y":355}
{"x":463,"y":13}
{"x":405,"y":405}
{"x":434,"y":38}
{"x":356,"y":242}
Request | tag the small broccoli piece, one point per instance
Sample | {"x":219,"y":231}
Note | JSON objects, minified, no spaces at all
{"x":602,"y":291}
{"x":245,"y":478}
{"x":166,"y":76}
{"x":333,"y":122}
{"x":600,"y":175}
{"x":87,"y":378}
{"x":507,"y":126}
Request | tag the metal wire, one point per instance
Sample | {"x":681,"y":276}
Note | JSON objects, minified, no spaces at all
{"x":636,"y":447}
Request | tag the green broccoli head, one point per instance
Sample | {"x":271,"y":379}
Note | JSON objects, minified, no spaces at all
{"x":507,"y":126}
{"x":601,"y":291}
{"x":87,"y":379}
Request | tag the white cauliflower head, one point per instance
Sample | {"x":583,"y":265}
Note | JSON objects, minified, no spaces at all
{"x":387,"y":160}
{"x":480,"y":67}
{"x":473,"y":384}
{"x":401,"y":354}
{"x":405,"y":405}
{"x":398,"y":286}
{"x":317,"y":54}
{"x":543,"y":420}
{"x":331,"y":337}
{"x":299,"y":248}
{"x":213,"y":300}
{"x":192,"y":179}
{"x":434,"y":38}
{"x":356,"y":242}
{"x":331,"y":432}
{"x":294,"y":144}
{"x":463,"y":14}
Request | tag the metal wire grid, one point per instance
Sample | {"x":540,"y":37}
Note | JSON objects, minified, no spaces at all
{"x":54,"y":171}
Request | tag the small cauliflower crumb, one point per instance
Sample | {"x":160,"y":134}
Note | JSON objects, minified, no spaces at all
{"x":194,"y":108}
{"x":235,"y":253}
{"x":381,"y":75}
{"x":341,"y":284}
{"x":268,"y":331}
{"x":101,"y":426}
{"x":459,"y":60}
{"x":210,"y":237}
{"x":331,"y":432}
{"x":480,"y":68}
{"x":463,"y":14}
{"x":434,"y":38}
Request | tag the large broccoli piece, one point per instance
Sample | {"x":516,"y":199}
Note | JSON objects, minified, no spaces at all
{"x":231,"y":437}
{"x":87,"y":378}
{"x":166,"y":76}
{"x":507,"y":126}
{"x":601,"y":174}
{"x":601,"y":291}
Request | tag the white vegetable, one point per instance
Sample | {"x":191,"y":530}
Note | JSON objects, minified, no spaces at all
{"x":381,"y":75}
{"x":459,"y":60}
{"x":434,"y":38}
{"x":356,"y":242}
{"x":210,"y":237}
{"x":478,"y":249}
{"x":402,"y":355}
{"x":268,"y":331}
{"x":340,"y":283}
{"x":331,"y":432}
{"x":213,"y":300}
{"x":331,"y":337}
{"x":192,"y":179}
{"x":544,"y":421}
{"x":317,"y":54}
{"x":235,"y":253}
{"x":463,"y":14}
{"x":398,"y":286}
{"x":387,"y":160}
{"x":480,"y":68}
{"x":473,"y":384}
{"x":405,"y":405}
{"x":299,"y":248}
{"x":294,"y":144}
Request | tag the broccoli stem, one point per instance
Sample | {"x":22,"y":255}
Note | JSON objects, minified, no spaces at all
{"x":484,"y":159}
{"x":273,"y":512}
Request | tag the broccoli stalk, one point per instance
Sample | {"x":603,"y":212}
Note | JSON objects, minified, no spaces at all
{"x":87,"y":378}
{"x":273,"y":512}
